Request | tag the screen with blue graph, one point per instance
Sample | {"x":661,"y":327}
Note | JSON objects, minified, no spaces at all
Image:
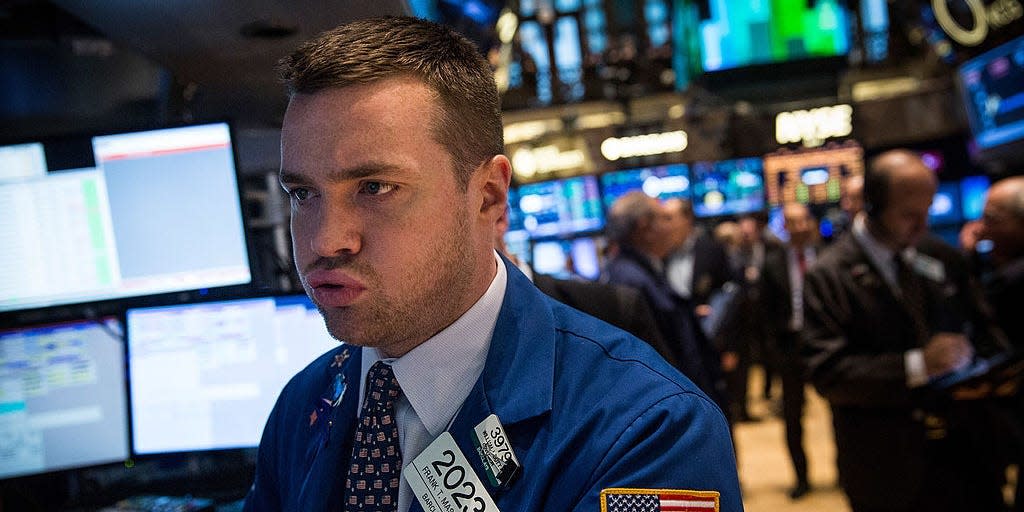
{"x":728,"y":187}
{"x":993,"y":86}
{"x":660,"y":182}
{"x":561,"y":207}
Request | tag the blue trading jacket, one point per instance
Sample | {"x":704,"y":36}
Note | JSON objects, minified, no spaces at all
{"x":585,"y":405}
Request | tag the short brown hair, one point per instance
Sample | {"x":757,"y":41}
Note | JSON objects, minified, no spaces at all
{"x":469,"y":121}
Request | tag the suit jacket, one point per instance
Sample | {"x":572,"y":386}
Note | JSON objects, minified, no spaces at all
{"x":856,"y":332}
{"x":697,"y":358}
{"x":777,"y":300}
{"x":621,"y":306}
{"x":711,"y":268}
{"x":585,"y":405}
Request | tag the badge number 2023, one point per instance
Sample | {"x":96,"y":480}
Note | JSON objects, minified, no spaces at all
{"x":453,"y":477}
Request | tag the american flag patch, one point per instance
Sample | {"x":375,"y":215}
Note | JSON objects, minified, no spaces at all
{"x":658,"y":500}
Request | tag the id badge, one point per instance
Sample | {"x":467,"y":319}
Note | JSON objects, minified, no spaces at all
{"x":443,"y":481}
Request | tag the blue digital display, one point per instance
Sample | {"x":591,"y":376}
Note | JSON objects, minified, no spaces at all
{"x":946,"y":208}
{"x":728,"y":187}
{"x":972,"y":196}
{"x":993,"y":86}
{"x":661,"y":182}
{"x":561,"y":207}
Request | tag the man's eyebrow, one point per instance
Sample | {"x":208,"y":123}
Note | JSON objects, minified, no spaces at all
{"x":366,"y":170}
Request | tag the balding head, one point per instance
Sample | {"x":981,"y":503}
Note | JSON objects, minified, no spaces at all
{"x":798,"y":223}
{"x":1003,"y":219}
{"x":851,"y":198}
{"x":898,"y":190}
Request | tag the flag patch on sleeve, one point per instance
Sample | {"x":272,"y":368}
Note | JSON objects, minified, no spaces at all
{"x":658,"y":500}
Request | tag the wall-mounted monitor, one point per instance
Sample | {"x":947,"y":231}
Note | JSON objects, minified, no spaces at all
{"x":993,"y":88}
{"x":660,"y":182}
{"x":566,"y":259}
{"x":737,"y":33}
{"x":148,"y":213}
{"x":811,"y":176}
{"x":973,"y":190}
{"x":946,"y":208}
{"x":63,"y":400}
{"x":561,"y":207}
{"x":204,"y":376}
{"x":727,"y":187}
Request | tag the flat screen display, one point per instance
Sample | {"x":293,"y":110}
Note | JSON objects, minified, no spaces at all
{"x":152,"y":212}
{"x":63,"y":399}
{"x":946,"y":208}
{"x":561,"y":207}
{"x":660,"y":182}
{"x":728,"y":187}
{"x":993,"y":88}
{"x":738,"y":33}
{"x":568,"y":259}
{"x":205,"y":376}
{"x":813,"y":176}
{"x":973,"y":190}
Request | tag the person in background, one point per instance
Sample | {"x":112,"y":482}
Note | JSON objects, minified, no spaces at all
{"x":392,"y":158}
{"x":757,"y":240}
{"x":782,"y":300}
{"x":641,"y":229}
{"x":882,"y":323}
{"x":698,"y":266}
{"x":1002,"y":223}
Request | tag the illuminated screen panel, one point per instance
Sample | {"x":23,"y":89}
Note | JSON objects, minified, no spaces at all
{"x":205,"y":376}
{"x":661,"y":182}
{"x":993,"y":85}
{"x":810,"y":176}
{"x":727,"y":187}
{"x":62,"y":397}
{"x":946,"y":208}
{"x":159,"y":212}
{"x":738,"y":33}
{"x":567,"y":259}
{"x":973,"y":190}
{"x":561,"y":207}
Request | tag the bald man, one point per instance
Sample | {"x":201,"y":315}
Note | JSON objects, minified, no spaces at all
{"x":882,"y":321}
{"x":1003,"y":224}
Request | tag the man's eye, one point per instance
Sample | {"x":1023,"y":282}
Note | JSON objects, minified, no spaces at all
{"x":376,"y":188}
{"x":299,"y":193}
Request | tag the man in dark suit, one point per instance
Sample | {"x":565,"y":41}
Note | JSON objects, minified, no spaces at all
{"x":782,"y":293}
{"x":698,"y":265}
{"x":881,"y":323}
{"x":640,"y":228}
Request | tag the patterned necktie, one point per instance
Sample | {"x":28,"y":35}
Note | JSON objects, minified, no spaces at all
{"x":376,"y":463}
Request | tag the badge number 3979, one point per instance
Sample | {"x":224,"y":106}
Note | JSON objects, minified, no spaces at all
{"x":443,"y":481}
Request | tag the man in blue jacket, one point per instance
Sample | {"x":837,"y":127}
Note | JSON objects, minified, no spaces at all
{"x":459,"y":386}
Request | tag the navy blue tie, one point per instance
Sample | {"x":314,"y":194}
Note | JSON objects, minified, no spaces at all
{"x":376,"y":462}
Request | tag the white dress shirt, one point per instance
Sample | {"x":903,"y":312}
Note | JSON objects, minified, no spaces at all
{"x":437,"y":376}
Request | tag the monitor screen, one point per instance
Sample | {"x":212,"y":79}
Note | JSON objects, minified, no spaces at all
{"x":728,"y":187}
{"x":973,"y":190}
{"x":152,"y":212}
{"x":660,"y":182}
{"x":946,"y":208}
{"x":62,"y":397}
{"x":205,"y":376}
{"x":567,"y":259}
{"x":737,"y":33}
{"x":561,"y":207}
{"x":813,"y":176}
{"x":993,"y":88}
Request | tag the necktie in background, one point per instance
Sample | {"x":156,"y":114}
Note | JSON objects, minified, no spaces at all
{"x":912,"y":295}
{"x":376,"y":463}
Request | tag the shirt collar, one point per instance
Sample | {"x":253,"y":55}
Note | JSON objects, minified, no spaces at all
{"x":879,"y":254}
{"x":438,"y":375}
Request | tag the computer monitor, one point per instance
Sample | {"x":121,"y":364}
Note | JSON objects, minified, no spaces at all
{"x":660,"y":182}
{"x":145,"y":213}
{"x":992,"y":85}
{"x":561,"y":207}
{"x":973,"y":190}
{"x":811,"y":176}
{"x":63,"y":400}
{"x":565,"y":259}
{"x":728,"y":187}
{"x":946,"y":208}
{"x":204,"y":376}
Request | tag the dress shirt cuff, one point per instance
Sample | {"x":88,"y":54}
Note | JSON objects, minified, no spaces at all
{"x":917,"y":374}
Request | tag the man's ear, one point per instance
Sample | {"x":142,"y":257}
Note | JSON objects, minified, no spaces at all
{"x":495,"y":174}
